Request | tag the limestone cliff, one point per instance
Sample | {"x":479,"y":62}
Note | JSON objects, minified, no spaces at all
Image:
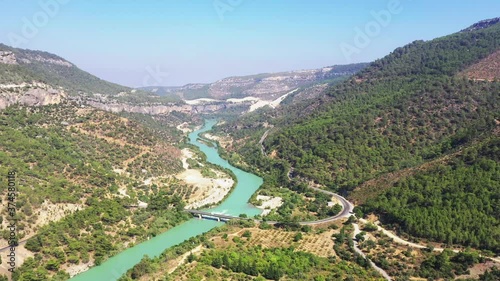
{"x":30,"y":94}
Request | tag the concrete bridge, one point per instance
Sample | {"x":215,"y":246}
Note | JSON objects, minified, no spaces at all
{"x":211,"y":216}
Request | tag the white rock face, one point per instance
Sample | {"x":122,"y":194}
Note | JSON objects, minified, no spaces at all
{"x":7,"y":58}
{"x":49,"y":60}
{"x":154,"y":109}
{"x":30,"y":95}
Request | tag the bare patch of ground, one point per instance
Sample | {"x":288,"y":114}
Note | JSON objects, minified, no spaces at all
{"x":184,"y":127}
{"x":47,"y":212}
{"x":488,"y":69}
{"x":75,"y":269}
{"x":54,"y":212}
{"x":269,"y":203}
{"x":21,"y":255}
{"x":208,"y":190}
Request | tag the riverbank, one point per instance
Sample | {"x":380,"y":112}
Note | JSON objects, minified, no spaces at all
{"x":206,"y":191}
{"x":235,"y":203}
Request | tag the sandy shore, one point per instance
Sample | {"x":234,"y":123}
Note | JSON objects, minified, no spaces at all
{"x":78,"y":268}
{"x":223,"y":141}
{"x":209,"y":191}
{"x":184,"y":127}
{"x":211,"y":137}
{"x":269,"y":203}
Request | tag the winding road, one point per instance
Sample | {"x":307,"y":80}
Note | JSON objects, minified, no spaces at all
{"x":358,"y":250}
{"x":347,"y":208}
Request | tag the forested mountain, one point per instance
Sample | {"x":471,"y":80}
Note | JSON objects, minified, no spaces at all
{"x":24,"y":66}
{"x":403,"y":109}
{"x":410,"y":107}
{"x":413,"y":139}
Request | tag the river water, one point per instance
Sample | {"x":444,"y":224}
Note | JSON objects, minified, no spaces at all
{"x":235,"y":204}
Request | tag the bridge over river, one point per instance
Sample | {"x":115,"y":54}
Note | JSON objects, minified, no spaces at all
{"x":211,"y":216}
{"x":347,"y":209}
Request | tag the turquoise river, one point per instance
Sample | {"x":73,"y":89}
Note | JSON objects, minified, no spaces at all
{"x":235,"y":204}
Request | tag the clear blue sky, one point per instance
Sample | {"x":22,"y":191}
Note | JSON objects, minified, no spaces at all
{"x":194,"y":41}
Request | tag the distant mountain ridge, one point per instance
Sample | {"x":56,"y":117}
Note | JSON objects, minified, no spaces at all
{"x":37,"y":78}
{"x":265,"y":86}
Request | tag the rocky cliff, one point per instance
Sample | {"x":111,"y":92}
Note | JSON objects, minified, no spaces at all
{"x":7,"y":58}
{"x":30,"y":94}
{"x":268,"y":86}
{"x":158,"y":109}
{"x":482,"y":24}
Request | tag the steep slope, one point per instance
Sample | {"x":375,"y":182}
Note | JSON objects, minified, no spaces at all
{"x":405,"y":109}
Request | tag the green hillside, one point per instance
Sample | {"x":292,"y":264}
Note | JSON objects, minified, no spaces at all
{"x":409,"y":108}
{"x":456,"y":201}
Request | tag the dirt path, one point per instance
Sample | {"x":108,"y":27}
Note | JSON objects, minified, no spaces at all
{"x":357,"y":250}
{"x":401,"y":241}
{"x":180,"y":260}
{"x":130,"y":160}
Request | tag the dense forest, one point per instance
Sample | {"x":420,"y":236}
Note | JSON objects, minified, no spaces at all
{"x":455,"y":202}
{"x":404,"y":109}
